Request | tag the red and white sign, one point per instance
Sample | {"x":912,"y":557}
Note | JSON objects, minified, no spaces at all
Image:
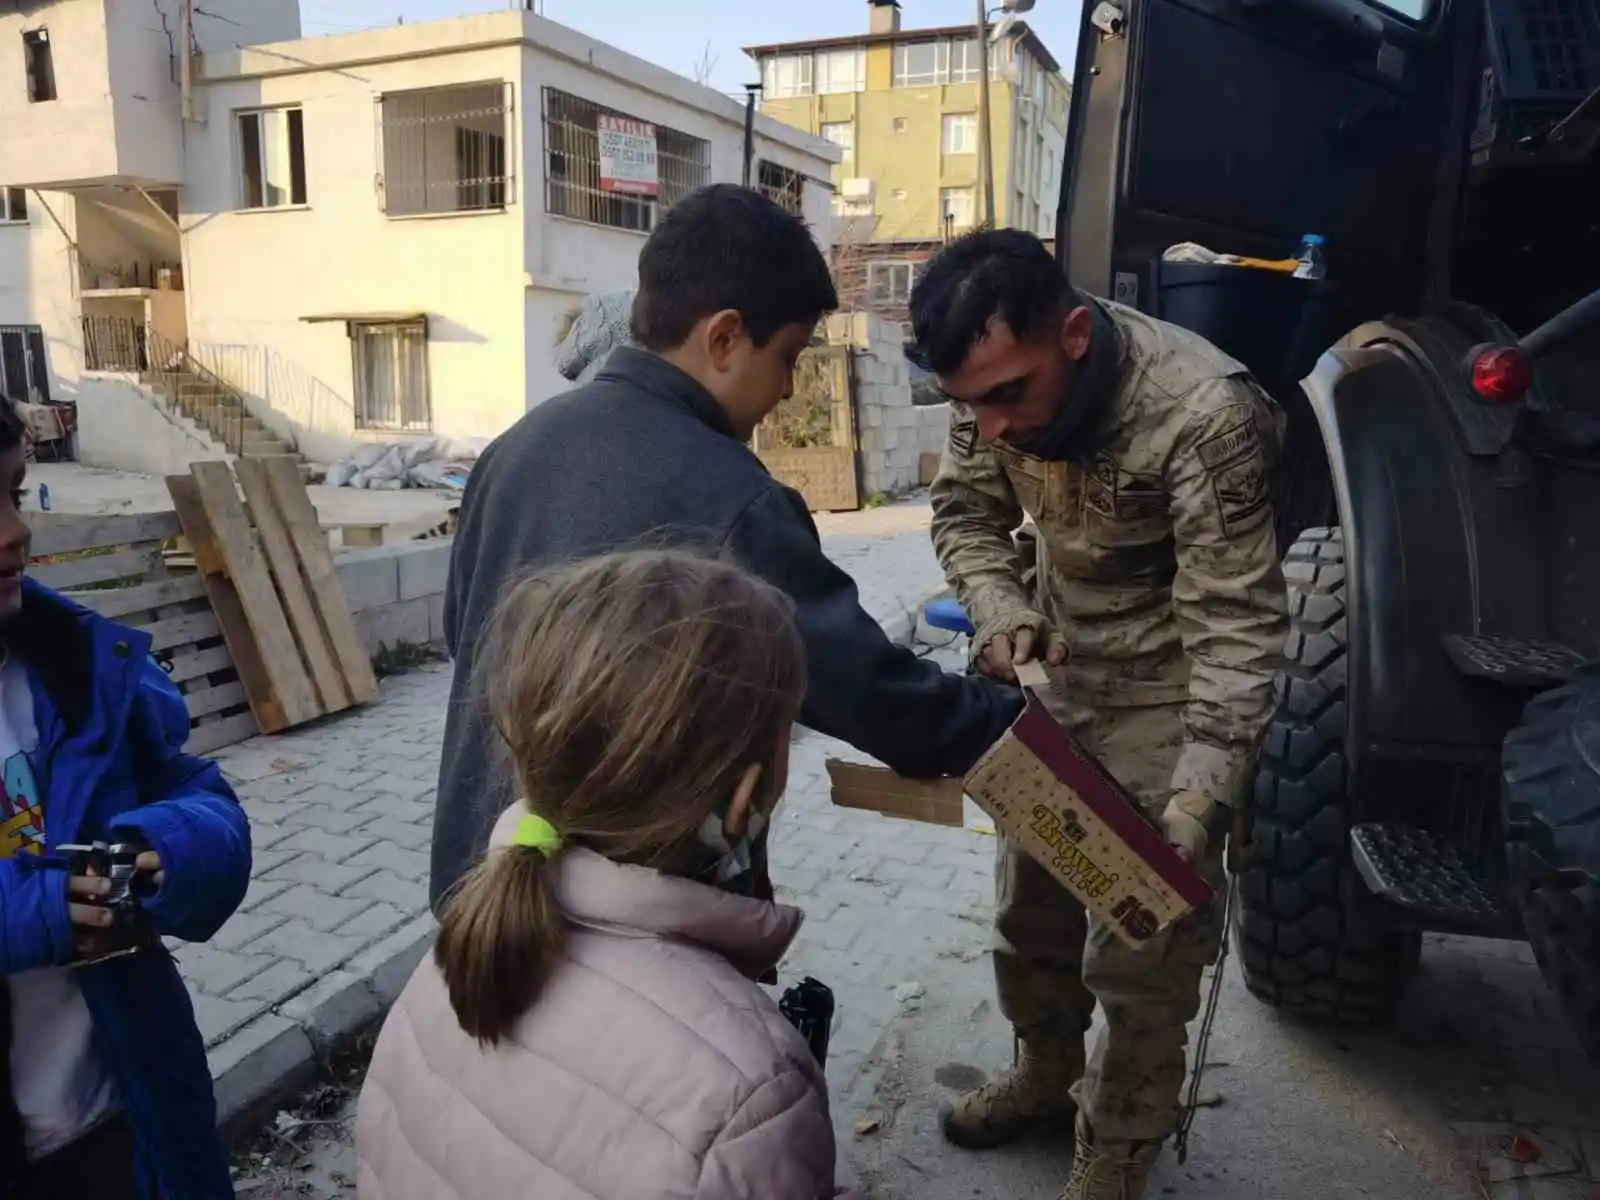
{"x":628,"y":156}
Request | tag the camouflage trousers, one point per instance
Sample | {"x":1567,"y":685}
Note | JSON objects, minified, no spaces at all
{"x":1053,"y":964}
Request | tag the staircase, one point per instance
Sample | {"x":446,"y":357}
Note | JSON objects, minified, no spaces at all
{"x":218,"y":409}
{"x":184,"y":384}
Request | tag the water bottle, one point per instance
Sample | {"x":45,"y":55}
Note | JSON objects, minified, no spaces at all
{"x":1312,"y":264}
{"x":44,"y":497}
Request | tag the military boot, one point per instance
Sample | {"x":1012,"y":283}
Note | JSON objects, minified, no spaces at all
{"x":1035,"y":1091}
{"x":1109,"y":1170}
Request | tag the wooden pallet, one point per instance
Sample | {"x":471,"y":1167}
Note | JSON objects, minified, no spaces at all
{"x":115,"y":566}
{"x":266,"y":565}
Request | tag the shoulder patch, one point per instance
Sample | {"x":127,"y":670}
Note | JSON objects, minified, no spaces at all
{"x":1243,"y":492}
{"x":1240,"y":438}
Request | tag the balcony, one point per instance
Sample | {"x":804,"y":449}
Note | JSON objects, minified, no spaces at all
{"x":93,"y":101}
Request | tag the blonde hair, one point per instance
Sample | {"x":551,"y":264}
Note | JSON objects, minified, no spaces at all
{"x":631,"y":691}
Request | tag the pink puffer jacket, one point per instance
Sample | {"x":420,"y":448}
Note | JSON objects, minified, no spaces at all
{"x":652,"y":1067}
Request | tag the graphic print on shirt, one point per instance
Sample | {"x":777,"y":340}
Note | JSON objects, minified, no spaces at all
{"x":21,"y":814}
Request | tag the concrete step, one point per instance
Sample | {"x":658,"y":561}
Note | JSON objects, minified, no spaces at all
{"x":262,"y":447}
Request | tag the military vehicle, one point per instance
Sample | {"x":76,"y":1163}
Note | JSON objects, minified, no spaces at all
{"x":1434,"y":763}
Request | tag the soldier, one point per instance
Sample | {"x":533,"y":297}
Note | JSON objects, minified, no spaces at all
{"x":1142,"y":456}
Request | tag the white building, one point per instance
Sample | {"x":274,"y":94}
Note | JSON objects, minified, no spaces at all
{"x":363,"y":237}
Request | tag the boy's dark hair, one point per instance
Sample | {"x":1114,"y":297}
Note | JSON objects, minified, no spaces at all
{"x":1005,"y":273}
{"x":721,"y":247}
{"x":13,"y":430}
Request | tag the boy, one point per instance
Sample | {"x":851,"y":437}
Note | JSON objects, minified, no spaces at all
{"x":654,"y":450}
{"x":104,"y":1087}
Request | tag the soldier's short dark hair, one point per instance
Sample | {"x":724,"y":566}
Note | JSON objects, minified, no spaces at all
{"x":722,"y":247}
{"x":1007,"y":273}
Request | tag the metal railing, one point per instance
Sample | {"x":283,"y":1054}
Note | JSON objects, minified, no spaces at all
{"x":783,"y":186}
{"x":573,"y":182}
{"x":445,"y":149}
{"x":188,"y":386}
{"x":272,"y":383}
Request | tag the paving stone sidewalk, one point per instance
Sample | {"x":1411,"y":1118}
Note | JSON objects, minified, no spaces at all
{"x":341,"y":815}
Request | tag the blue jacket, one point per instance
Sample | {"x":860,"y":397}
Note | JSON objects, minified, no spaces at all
{"x":109,"y":761}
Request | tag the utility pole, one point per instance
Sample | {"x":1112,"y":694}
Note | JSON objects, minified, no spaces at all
{"x":985,"y":133}
{"x":751,"y":91}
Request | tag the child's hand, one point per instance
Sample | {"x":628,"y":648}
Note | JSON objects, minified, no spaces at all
{"x":150,"y":862}
{"x":90,"y":919}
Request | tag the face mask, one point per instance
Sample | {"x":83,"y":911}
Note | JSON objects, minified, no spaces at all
{"x":725,"y":864}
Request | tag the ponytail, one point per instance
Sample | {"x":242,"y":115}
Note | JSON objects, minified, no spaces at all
{"x":499,"y":935}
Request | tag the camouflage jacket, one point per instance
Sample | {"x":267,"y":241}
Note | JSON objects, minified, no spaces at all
{"x":1158,"y":563}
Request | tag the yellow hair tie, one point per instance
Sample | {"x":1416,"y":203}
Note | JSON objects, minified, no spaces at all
{"x":536,"y":833}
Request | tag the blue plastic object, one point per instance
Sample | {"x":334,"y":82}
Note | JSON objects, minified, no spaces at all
{"x":948,"y":615}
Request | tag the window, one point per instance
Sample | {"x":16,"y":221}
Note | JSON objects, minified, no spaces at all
{"x":926,"y":64}
{"x":24,"y":371}
{"x":957,"y":207}
{"x":445,"y":150}
{"x":843,"y":135}
{"x":13,"y":206}
{"x":921,"y":64}
{"x":841,"y":71}
{"x":965,"y":58}
{"x":39,"y":65}
{"x":785,"y":187}
{"x":960,"y":133}
{"x":391,"y":374}
{"x":272,"y":158}
{"x":610,"y":169}
{"x":786,"y":75}
{"x":889,"y":283}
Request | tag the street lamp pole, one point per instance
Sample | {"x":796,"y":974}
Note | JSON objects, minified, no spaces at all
{"x":985,"y":132}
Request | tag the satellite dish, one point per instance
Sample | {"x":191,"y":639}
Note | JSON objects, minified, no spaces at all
{"x":1016,"y":6}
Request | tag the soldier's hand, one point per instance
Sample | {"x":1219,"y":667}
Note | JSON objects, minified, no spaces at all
{"x":1005,"y":653}
{"x":1187,"y":820}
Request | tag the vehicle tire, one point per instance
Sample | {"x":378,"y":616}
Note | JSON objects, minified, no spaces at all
{"x":1552,"y":787}
{"x":1306,"y":932}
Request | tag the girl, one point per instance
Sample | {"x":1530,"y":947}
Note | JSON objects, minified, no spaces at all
{"x":104,"y":1088}
{"x":588,"y":1027}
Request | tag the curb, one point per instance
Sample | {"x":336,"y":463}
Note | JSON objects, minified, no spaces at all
{"x":275,"y":1054}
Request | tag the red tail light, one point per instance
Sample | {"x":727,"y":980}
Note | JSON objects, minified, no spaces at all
{"x":1502,"y":375}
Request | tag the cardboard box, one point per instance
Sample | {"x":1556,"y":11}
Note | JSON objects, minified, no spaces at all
{"x":931,"y":801}
{"x":1049,"y":795}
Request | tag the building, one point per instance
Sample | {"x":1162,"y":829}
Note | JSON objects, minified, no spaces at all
{"x":902,"y":106}
{"x":364,"y":237}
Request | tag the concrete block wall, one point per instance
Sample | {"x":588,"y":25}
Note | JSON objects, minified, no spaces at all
{"x":396,"y":593}
{"x":889,"y":425}
{"x":933,"y":428}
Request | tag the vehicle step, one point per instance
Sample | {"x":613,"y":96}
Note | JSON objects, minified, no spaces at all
{"x":1515,"y":662}
{"x":1430,"y":881}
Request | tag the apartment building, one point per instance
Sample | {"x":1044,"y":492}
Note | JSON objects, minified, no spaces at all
{"x":369,"y":236}
{"x":902,"y":106}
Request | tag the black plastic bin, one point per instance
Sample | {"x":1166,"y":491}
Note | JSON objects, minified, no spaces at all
{"x":1270,"y":321}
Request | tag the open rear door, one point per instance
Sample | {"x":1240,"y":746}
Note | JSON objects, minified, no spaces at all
{"x":1242,"y":127}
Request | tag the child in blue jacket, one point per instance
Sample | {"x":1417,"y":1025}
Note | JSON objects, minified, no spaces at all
{"x":104,"y":1089}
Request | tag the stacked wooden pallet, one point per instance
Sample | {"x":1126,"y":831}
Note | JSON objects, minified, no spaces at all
{"x":269,"y":573}
{"x":114,"y":565}
{"x":258,"y":634}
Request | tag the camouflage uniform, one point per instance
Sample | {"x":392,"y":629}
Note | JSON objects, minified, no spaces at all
{"x":1158,"y":564}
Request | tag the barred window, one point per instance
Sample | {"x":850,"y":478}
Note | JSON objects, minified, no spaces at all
{"x":785,"y":187}
{"x":608,"y":168}
{"x":445,"y":149}
{"x":391,"y":375}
